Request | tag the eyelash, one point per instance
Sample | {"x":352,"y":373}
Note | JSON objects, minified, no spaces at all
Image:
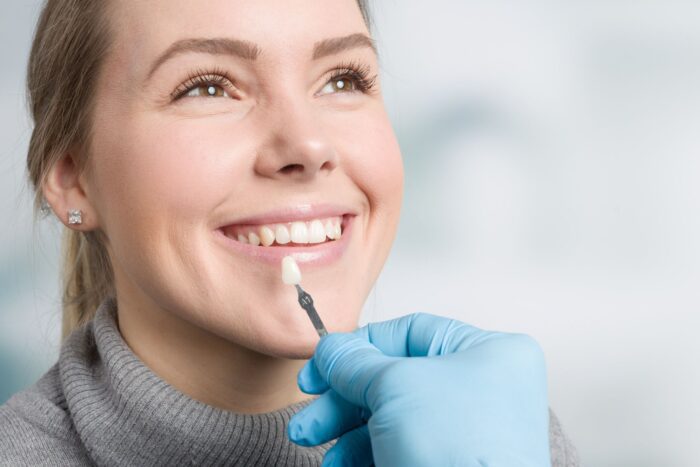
{"x":357,"y":72}
{"x":200,"y":77}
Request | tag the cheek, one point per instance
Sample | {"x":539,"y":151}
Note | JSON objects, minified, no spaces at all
{"x":157,"y":187}
{"x":385,"y":172}
{"x":375,"y":164}
{"x":372,"y":159}
{"x":377,"y":168}
{"x":153,"y":170}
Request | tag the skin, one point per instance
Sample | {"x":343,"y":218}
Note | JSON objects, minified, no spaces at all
{"x":162,"y":175}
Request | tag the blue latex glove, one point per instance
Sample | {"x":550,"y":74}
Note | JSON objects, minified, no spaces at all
{"x":423,"y":390}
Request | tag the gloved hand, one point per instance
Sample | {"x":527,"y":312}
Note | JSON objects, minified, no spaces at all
{"x":423,"y":390}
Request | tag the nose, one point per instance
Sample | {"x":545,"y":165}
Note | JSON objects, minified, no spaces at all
{"x":296,"y":147}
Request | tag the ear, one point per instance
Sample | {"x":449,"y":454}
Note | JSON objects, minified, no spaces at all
{"x":64,"y":189}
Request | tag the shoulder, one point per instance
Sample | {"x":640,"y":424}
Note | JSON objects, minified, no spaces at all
{"x":36,"y":428}
{"x":562,"y":451}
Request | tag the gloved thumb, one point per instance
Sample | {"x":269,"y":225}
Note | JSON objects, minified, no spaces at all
{"x":350,"y":364}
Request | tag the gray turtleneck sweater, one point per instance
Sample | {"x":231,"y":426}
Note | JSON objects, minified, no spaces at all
{"x":100,"y":405}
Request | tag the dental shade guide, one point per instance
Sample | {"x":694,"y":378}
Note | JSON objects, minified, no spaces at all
{"x":291,"y":275}
{"x":307,"y":303}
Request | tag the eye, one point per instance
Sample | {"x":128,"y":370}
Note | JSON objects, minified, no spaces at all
{"x":202,"y":83}
{"x":207,"y":90}
{"x":342,"y":84}
{"x":350,"y":78}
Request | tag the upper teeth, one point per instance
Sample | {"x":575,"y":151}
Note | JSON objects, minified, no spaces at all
{"x":299,"y":232}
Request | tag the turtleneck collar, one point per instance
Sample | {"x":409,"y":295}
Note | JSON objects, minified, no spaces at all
{"x":127,"y":415}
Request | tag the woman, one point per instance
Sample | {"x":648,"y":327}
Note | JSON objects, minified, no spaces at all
{"x":188,"y":147}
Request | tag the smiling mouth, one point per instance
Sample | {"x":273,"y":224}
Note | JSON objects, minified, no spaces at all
{"x":296,"y":233}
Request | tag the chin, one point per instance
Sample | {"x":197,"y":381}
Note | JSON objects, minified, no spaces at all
{"x":299,"y":347}
{"x":298,"y":341}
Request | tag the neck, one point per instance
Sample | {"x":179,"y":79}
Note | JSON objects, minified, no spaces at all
{"x":205,"y":366}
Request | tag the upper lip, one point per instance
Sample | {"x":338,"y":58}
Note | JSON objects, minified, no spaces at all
{"x":299,"y":212}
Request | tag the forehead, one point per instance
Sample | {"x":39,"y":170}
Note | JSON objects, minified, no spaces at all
{"x":145,"y":28}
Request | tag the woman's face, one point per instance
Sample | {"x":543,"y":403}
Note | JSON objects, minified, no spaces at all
{"x":218,"y":120}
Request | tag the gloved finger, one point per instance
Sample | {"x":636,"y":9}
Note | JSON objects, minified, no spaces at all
{"x":325,"y":419}
{"x":415,"y":335}
{"x":353,"y":448}
{"x":422,"y":335}
{"x":350,"y":365}
{"x":309,"y":379}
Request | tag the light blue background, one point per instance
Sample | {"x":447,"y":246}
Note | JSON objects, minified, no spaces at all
{"x":552,"y":188}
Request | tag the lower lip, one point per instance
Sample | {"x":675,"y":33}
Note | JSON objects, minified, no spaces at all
{"x":313,"y":255}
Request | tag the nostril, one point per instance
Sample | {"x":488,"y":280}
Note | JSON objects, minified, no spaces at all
{"x":291,"y":168}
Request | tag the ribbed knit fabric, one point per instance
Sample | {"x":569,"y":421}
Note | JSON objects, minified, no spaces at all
{"x":100,"y":405}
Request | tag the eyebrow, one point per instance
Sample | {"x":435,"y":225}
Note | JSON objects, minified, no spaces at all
{"x":338,"y":44}
{"x":250,"y":51}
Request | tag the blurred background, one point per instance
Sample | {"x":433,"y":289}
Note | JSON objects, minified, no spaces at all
{"x":552,"y":188}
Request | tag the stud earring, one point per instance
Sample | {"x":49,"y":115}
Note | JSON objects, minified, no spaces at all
{"x":75,"y":216}
{"x":45,"y":208}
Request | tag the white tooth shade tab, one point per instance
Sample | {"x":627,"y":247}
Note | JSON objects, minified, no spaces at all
{"x":291,"y":274}
{"x":297,"y":232}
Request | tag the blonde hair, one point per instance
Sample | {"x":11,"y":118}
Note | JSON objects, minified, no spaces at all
{"x":69,"y":44}
{"x":71,"y":40}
